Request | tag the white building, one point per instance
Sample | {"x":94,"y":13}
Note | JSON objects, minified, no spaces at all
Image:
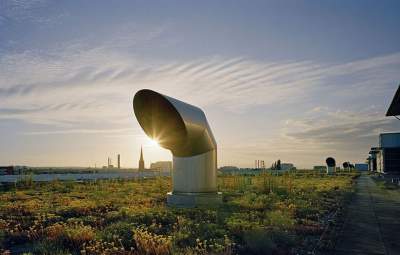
{"x":163,"y":166}
{"x":287,"y":166}
{"x":361,"y":166}
{"x":386,"y":157}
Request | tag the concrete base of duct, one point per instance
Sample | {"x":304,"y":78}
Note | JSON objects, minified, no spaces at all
{"x":194,"y":199}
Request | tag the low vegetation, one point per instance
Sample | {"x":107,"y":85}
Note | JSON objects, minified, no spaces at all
{"x":386,"y":184}
{"x":286,"y":214}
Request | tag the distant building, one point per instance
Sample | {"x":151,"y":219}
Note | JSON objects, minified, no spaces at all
{"x":320,"y":168}
{"x":228,"y":169}
{"x":10,"y":170}
{"x":141,"y":160}
{"x":287,"y":166}
{"x":361,"y":166}
{"x":109,"y":164}
{"x":6,"y":170}
{"x":385,"y":159}
{"x":163,"y":166}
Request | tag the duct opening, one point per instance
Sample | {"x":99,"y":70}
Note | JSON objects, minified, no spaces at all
{"x":175,"y":125}
{"x":330,"y":162}
{"x":159,"y":119}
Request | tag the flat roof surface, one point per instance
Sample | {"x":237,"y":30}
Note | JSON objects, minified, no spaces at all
{"x":390,"y":133}
{"x":375,"y":148}
{"x":394,"y":108}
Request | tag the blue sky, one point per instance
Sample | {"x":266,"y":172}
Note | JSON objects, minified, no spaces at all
{"x":295,"y":80}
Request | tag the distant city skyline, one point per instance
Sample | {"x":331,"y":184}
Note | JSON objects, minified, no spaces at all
{"x":292,"y":80}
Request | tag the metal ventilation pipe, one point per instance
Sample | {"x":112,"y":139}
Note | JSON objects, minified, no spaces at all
{"x":330,"y":165}
{"x":183,"y":129}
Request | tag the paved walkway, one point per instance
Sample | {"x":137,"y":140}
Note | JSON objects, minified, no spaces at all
{"x":373,"y":221}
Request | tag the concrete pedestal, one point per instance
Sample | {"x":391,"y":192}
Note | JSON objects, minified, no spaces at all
{"x":194,"y":199}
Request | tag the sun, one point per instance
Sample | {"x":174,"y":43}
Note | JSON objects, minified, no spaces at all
{"x":154,"y":143}
{"x":149,"y":142}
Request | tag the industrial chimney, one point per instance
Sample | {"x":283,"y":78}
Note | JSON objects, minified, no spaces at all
{"x":119,"y":161}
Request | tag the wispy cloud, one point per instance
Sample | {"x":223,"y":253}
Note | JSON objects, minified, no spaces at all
{"x":76,"y":88}
{"x":322,"y":131}
{"x":59,"y":79}
{"x":124,"y":131}
{"x":342,"y":131}
{"x":235,"y":84}
{"x":27,"y":10}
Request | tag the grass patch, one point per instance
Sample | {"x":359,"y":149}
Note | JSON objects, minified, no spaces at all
{"x":282,"y":214}
{"x":385,"y":184}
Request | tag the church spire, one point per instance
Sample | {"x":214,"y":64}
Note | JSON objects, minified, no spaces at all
{"x":141,"y":160}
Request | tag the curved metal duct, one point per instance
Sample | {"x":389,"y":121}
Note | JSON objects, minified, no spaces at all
{"x":183,"y":129}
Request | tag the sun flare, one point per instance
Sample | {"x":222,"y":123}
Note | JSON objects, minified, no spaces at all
{"x":154,"y":143}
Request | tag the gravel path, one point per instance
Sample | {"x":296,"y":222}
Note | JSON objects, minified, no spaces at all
{"x":373,"y":221}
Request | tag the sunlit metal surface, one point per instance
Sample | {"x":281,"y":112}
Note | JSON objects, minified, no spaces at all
{"x":177,"y":126}
{"x":183,"y":129}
